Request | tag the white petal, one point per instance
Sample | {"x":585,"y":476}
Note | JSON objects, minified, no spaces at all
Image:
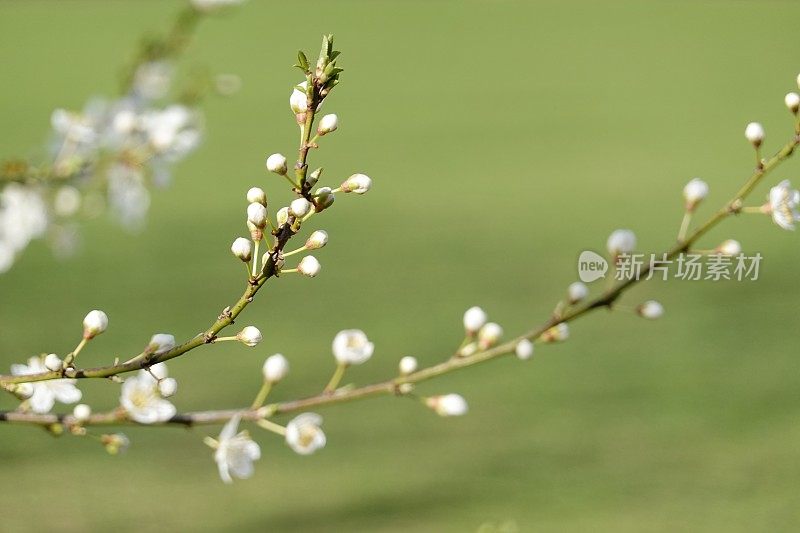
{"x":65,"y":391}
{"x":42,"y":400}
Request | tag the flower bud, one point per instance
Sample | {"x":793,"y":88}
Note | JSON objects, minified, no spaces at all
{"x":313,"y":178}
{"x":299,"y":207}
{"x":792,"y":102}
{"x":694,"y":192}
{"x":23,"y":391}
{"x":729,"y":247}
{"x":754,"y":132}
{"x":242,"y":249}
{"x":474,"y":319}
{"x":257,"y":215}
{"x":323,"y":198}
{"x":52,"y":362}
{"x":277,"y":163}
{"x":94,"y":324}
{"x":282,"y":215}
{"x":82,"y":412}
{"x":408,"y":365}
{"x":621,"y":241}
{"x":448,"y":405}
{"x":357,"y":183}
{"x":275,"y":368}
{"x":317,"y":240}
{"x":309,"y":266}
{"x":167,"y":387}
{"x":651,"y":310}
{"x":159,"y":371}
{"x":161,"y":343}
{"x":298,"y":100}
{"x":524,"y":350}
{"x":576,"y":292}
{"x":249,"y":336}
{"x":559,"y":332}
{"x":489,"y":334}
{"x":327,"y":124}
{"x":256,"y":195}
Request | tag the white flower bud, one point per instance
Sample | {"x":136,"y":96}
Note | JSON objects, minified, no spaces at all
{"x":94,"y":324}
{"x":309,"y":266}
{"x":298,"y":100}
{"x":23,"y":391}
{"x":313,"y":178}
{"x":82,"y":412}
{"x":277,"y":163}
{"x":352,"y":347}
{"x":474,"y":319}
{"x":559,"y":332}
{"x":299,"y":207}
{"x":250,"y":336}
{"x":694,"y":192}
{"x":621,"y":241}
{"x":243,"y":249}
{"x":161,"y":343}
{"x":159,"y":371}
{"x":524,"y":350}
{"x":792,"y":102}
{"x":67,"y":201}
{"x":754,"y":132}
{"x":576,"y":292}
{"x":323,"y":198}
{"x":275,"y":368}
{"x":327,"y":124}
{"x":256,"y":195}
{"x":317,"y":240}
{"x":408,"y":365}
{"x":282,"y":215}
{"x":650,"y":309}
{"x":357,"y":183}
{"x":729,"y":247}
{"x":52,"y":362}
{"x":448,"y":405}
{"x":489,"y":334}
{"x":167,"y":387}
{"x":257,"y":215}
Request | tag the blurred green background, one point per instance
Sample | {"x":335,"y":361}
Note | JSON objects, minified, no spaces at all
{"x":503,"y":138}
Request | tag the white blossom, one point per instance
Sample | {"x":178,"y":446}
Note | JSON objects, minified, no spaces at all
{"x":357,"y":183}
{"x":142,"y":400}
{"x":46,"y":393}
{"x":276,"y":367}
{"x":524,"y":349}
{"x":352,"y":347}
{"x":754,"y":132}
{"x":474,"y":319}
{"x":408,"y":365}
{"x":250,"y":336}
{"x":304,"y":434}
{"x":242,"y":248}
{"x":235,"y":452}
{"x":621,"y":241}
{"x":309,"y":266}
{"x":576,"y":292}
{"x":167,"y":387}
{"x":94,"y":323}
{"x":52,"y":362}
{"x":327,"y":124}
{"x":257,"y":215}
{"x":448,"y":405}
{"x":651,"y":310}
{"x":782,"y":205}
{"x":277,"y":163}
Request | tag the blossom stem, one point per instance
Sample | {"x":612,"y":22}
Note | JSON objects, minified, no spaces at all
{"x":70,"y":358}
{"x":687,"y":218}
{"x":287,"y":254}
{"x":261,"y":397}
{"x":338,"y":374}
{"x":255,"y":257}
{"x":271,"y":426}
{"x":752,"y":210}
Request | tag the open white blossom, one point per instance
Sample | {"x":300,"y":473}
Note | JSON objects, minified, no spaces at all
{"x":352,"y":347}
{"x":448,"y":405}
{"x":46,"y":393}
{"x":142,"y":399}
{"x":304,"y":434}
{"x":782,"y":205}
{"x":235,"y":452}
